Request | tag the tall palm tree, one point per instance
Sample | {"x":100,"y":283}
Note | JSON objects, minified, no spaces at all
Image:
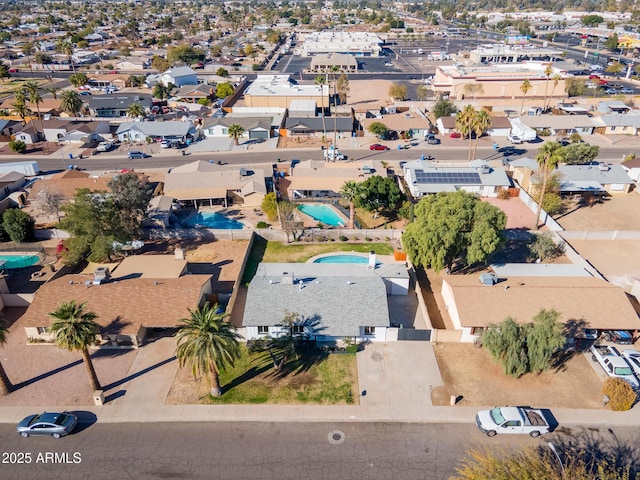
{"x":334,"y":70}
{"x":235,"y":131}
{"x":547,"y":73}
{"x":135,"y":110}
{"x":65,"y":46}
{"x":548,"y":158}
{"x":208,"y":343}
{"x":351,"y":191}
{"x":556,"y":78}
{"x":524,"y":88}
{"x":321,"y":81}
{"x":20,"y":108}
{"x":5,"y":383}
{"x":74,"y":328}
{"x":28,"y":49}
{"x":464,"y":122}
{"x":481,"y":121}
{"x":31,"y":89}
{"x":53,"y":91}
{"x":71,"y":102}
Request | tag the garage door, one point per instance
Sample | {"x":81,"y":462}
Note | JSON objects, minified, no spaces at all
{"x":259,"y":134}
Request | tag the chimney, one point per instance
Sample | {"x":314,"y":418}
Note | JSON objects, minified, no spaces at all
{"x":372,"y":259}
{"x":287,"y":278}
{"x":179,"y":253}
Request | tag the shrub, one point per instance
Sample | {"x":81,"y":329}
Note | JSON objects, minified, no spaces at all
{"x":18,"y":146}
{"x":262,"y":225}
{"x":621,"y":395}
{"x":343,"y":238}
{"x":367,"y":239}
{"x":503,"y":194}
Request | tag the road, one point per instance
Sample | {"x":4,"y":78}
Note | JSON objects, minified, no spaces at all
{"x":118,"y":160}
{"x":266,"y":450}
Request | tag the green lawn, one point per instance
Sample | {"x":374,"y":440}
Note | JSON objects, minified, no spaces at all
{"x":274,"y":252}
{"x":314,"y":378}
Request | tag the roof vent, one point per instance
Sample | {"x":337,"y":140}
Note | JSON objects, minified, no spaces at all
{"x":604,"y":167}
{"x":488,"y":279}
{"x":101,"y":275}
{"x":287,"y":278}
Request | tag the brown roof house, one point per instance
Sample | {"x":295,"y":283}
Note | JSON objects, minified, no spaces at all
{"x":209,"y":183}
{"x":581,"y":300}
{"x":143,"y":292}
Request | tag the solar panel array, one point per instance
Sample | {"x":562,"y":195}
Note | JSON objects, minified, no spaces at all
{"x":453,"y":178}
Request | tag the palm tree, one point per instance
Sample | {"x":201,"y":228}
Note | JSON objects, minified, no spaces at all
{"x":74,"y":328}
{"x":5,"y":383}
{"x":548,"y":158}
{"x":524,"y":88}
{"x":547,"y":73}
{"x":65,"y":46}
{"x":481,"y":121}
{"x":208,"y":343}
{"x":135,"y":110}
{"x":321,"y":81}
{"x":71,"y":102}
{"x":464,"y":122}
{"x":20,"y":108}
{"x":53,"y":91}
{"x":351,"y":191}
{"x":31,"y":89}
{"x":28,"y":49}
{"x":556,"y":79}
{"x":334,"y":70}
{"x":235,"y":131}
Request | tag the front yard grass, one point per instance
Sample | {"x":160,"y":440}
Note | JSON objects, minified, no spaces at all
{"x":313,"y":378}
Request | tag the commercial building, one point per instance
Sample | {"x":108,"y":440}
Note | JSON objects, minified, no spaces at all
{"x":360,"y":44}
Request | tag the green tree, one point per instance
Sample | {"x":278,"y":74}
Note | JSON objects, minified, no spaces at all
{"x":548,"y":158}
{"x":611,"y":43}
{"x":65,"y":46}
{"x":540,"y":463}
{"x":591,"y":20}
{"x":452,"y":227}
{"x":18,"y":146}
{"x":31,"y":89}
{"x":377,"y":128}
{"x":235,"y":131}
{"x":222,"y":72}
{"x":524,"y":348}
{"x":5,"y":383}
{"x":379,"y":194}
{"x":543,"y":247}
{"x":579,"y":153}
{"x":615,"y":68}
{"x":135,"y":110}
{"x":160,"y":91}
{"x":575,"y":87}
{"x":73,"y":329}
{"x":398,"y":91}
{"x":159,"y":63}
{"x":465,"y":124}
{"x":18,"y":224}
{"x":223,"y":90}
{"x":78,"y":79}
{"x":422,"y":92}
{"x":71,"y":102}
{"x":444,"y":108}
{"x":130,"y":198}
{"x":342,"y":88}
{"x":185,"y":53}
{"x":524,"y":88}
{"x":481,"y":121}
{"x":270,"y":206}
{"x":4,"y":71}
{"x":208,"y":344}
{"x":351,"y":191}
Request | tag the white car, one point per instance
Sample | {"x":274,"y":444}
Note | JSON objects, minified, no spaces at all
{"x":388,"y":64}
{"x":516,"y":140}
{"x":633,"y":358}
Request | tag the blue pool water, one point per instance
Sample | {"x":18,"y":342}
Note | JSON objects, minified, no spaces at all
{"x":212,"y":220}
{"x":18,"y":261}
{"x":343,"y":259}
{"x":322,"y":213}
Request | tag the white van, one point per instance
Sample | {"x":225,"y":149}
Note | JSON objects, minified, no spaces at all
{"x":596,"y":68}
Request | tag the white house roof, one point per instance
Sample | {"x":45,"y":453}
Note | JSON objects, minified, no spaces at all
{"x":183,"y":71}
{"x":601,"y":174}
{"x":618,"y":120}
{"x":157,"y":129}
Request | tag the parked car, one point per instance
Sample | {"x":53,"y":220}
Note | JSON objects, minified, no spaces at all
{"x":623,"y":337}
{"x":592,"y":77}
{"x":85,"y":93}
{"x":590,"y":333}
{"x":48,"y":423}
{"x":432,"y":139}
{"x":514,"y":420}
{"x":389,"y":135}
{"x":613,"y":364}
{"x":627,"y":91}
{"x":611,"y":91}
{"x":105,"y":146}
{"x":633,"y":358}
{"x":516,"y":140}
{"x":454,"y":135}
{"x":377,"y":146}
{"x":13,"y":70}
{"x":137,"y":154}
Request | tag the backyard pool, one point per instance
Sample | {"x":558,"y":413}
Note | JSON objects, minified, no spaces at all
{"x":212,"y":220}
{"x":343,"y":259}
{"x":10,"y":262}
{"x":322,"y":213}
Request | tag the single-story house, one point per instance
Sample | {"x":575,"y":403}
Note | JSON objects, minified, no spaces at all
{"x":314,"y":178}
{"x":11,"y":182}
{"x":75,"y":131}
{"x":584,"y":300}
{"x":316,"y":127}
{"x":600,"y":178}
{"x":560,"y":124}
{"x":613,"y":106}
{"x":333,"y":301}
{"x":7,"y":128}
{"x":133,"y":63}
{"x":617,"y":124}
{"x":193,"y":93}
{"x":632,"y":167}
{"x":143,"y":292}
{"x":47,"y":106}
{"x":208,"y":183}
{"x":424,"y":177}
{"x":254,"y":127}
{"x":139,"y":131}
{"x":116,"y":105}
{"x":446,"y":125}
{"x":178,"y":76}
{"x":415,"y":123}
{"x":29,"y":133}
{"x":500,"y":126}
{"x":120,"y":80}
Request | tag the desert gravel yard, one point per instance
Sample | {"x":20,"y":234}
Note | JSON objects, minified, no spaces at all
{"x":469,"y":372}
{"x":613,"y":213}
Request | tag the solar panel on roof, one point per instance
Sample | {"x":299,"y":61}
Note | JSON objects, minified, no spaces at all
{"x":453,"y":178}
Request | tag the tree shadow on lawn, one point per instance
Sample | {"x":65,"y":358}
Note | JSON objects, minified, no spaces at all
{"x":304,"y":362}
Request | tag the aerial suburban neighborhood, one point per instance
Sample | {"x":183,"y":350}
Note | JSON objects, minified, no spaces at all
{"x":319,"y":239}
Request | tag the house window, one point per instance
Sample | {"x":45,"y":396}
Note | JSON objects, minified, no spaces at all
{"x":42,"y":330}
{"x":369,"y":330}
{"x":225,"y":131}
{"x":297,"y":329}
{"x":263,"y":329}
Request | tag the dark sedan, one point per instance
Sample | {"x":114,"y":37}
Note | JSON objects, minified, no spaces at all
{"x":48,"y":423}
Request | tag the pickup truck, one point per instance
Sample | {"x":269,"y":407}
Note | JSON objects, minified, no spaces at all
{"x":514,"y":420}
{"x":104,"y":146}
{"x":613,"y":363}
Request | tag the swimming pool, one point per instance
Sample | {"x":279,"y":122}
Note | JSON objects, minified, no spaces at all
{"x":322,"y":213}
{"x":19,"y":261}
{"x":343,"y":259}
{"x":212,"y":220}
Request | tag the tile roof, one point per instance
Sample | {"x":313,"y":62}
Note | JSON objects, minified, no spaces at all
{"x":204,"y":180}
{"x":340,"y":308}
{"x":597,"y":302}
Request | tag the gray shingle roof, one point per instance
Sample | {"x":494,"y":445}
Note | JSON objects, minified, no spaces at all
{"x":118,"y":101}
{"x":157,"y":129}
{"x":340,"y":308}
{"x":315,"y":123}
{"x":593,"y":173}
